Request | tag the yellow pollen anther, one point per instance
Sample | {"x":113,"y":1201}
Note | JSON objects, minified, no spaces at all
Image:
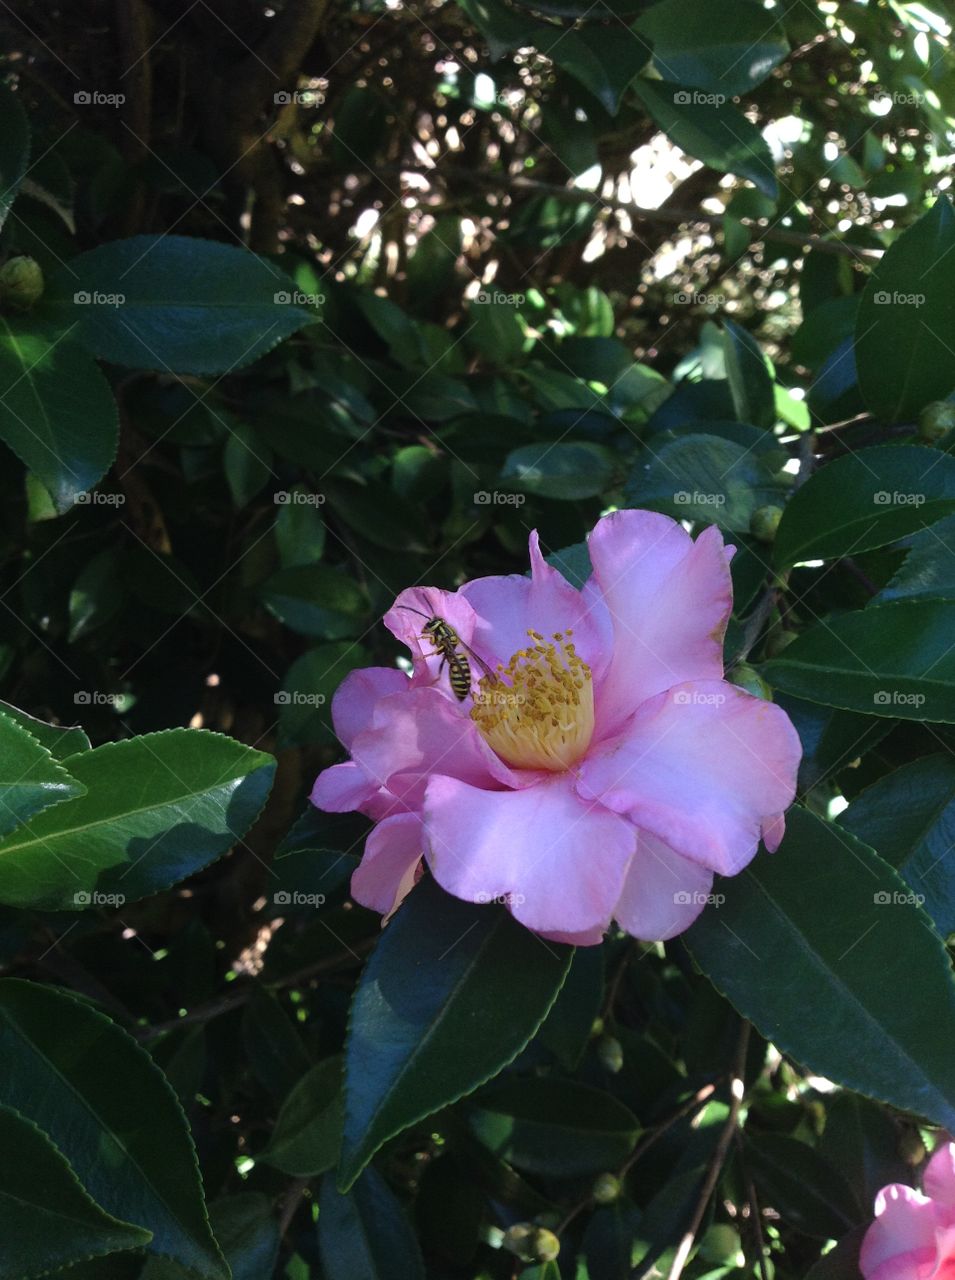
{"x":538,"y":711}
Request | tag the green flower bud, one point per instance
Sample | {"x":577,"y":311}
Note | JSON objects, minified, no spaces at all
{"x":764,"y":522}
{"x":596,"y":1028}
{"x":610,"y":1053}
{"x":530,"y":1243}
{"x":746,"y":677}
{"x":936,"y":421}
{"x":606,"y":1188}
{"x":546,"y":1245}
{"x":21,"y":283}
{"x":720,"y":1245}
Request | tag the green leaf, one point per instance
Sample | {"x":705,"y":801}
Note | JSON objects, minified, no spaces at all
{"x":928,"y":572}
{"x":437,"y":1013}
{"x":604,"y":58}
{"x":569,"y":470}
{"x":308,"y":1133}
{"x":365,"y":1235}
{"x":111,"y":1113}
{"x":712,"y":131}
{"x":726,"y":46}
{"x":554,"y":1127}
{"x":568,"y":1026}
{"x":817,"y":945}
{"x":801,"y":1185}
{"x":864,"y":500}
{"x":888,"y":660}
{"x":60,"y":741}
{"x":247,"y":462}
{"x":299,"y":527}
{"x":47,"y":1219}
{"x":304,"y":701}
{"x":751,"y":383}
{"x":316,"y":600}
{"x":861,"y":1140}
{"x":57,"y":412}
{"x":704,"y":477}
{"x":908,"y":817}
{"x":14,"y":148}
{"x":248,"y":1234}
{"x":907,"y":313}
{"x":30,"y":779}
{"x":176,"y":303}
{"x":157,"y":808}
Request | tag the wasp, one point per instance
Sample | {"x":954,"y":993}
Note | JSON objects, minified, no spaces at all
{"x":449,"y":645}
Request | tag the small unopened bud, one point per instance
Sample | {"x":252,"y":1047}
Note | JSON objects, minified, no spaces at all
{"x":936,"y":421}
{"x":610,"y":1053}
{"x":596,"y":1028}
{"x":606,"y":1188}
{"x":764,"y":522}
{"x":21,"y":283}
{"x":779,"y":641}
{"x":530,"y":1243}
{"x":721,"y":1244}
{"x":911,"y":1147}
{"x":746,"y":677}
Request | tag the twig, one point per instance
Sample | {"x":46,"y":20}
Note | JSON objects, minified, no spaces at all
{"x":754,"y":1213}
{"x":292,"y":1200}
{"x":737,"y":1089}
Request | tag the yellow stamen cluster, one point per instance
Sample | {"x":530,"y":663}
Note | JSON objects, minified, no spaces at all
{"x":538,"y":711}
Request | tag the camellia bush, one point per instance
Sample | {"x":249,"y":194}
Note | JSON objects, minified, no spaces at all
{"x":477,"y":640}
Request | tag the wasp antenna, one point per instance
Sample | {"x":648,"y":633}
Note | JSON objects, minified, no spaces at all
{"x":408,"y":609}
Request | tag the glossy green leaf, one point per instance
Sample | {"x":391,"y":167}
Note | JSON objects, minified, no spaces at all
{"x":61,"y":741}
{"x":867,"y":499}
{"x":14,"y":148}
{"x":316,"y":600}
{"x":861,"y":1140}
{"x":272,"y":1045}
{"x":555,"y":1127}
{"x":751,"y":383}
{"x":604,"y":58}
{"x":177,"y":303}
{"x":110,"y":1112}
{"x":891,"y":660}
{"x":248,"y":464}
{"x":437,"y":1013}
{"x":903,"y":334}
{"x":308,"y":1133}
{"x":47,"y":1219}
{"x":908,"y":817}
{"x":817,"y":945}
{"x":30,"y":779}
{"x":726,"y":46}
{"x":156,"y":809}
{"x":366,"y":1235}
{"x":299,"y":527}
{"x":801,"y":1185}
{"x":928,"y":571}
{"x":305,"y":699}
{"x":568,"y":470}
{"x":710,"y":130}
{"x":248,"y":1234}
{"x":57,"y":412}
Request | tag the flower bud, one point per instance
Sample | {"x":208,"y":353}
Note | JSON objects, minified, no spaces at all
{"x":936,"y":421}
{"x":764,"y":522}
{"x":606,"y":1188}
{"x":530,"y":1243}
{"x":610,"y":1053}
{"x":721,"y":1244}
{"x":21,"y":283}
{"x":911,"y":1147}
{"x":746,"y":677}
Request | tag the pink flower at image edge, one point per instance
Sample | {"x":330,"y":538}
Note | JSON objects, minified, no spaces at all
{"x":913,"y":1235}
{"x":601,"y":768}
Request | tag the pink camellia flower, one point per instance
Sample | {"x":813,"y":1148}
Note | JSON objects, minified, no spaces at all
{"x":600,"y":767}
{"x":913,"y":1235}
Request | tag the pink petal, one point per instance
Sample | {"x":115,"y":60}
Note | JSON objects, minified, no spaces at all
{"x":406,"y":619}
{"x":557,"y":862}
{"x":508,"y":607}
{"x":700,"y":767}
{"x":663,"y":892}
{"x":392,"y":856}
{"x":355,"y":699}
{"x":939,"y":1181}
{"x":669,"y":597}
{"x":901,"y":1243}
{"x":343,"y":788}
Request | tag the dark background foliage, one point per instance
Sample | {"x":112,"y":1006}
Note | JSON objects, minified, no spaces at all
{"x":516,"y":264}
